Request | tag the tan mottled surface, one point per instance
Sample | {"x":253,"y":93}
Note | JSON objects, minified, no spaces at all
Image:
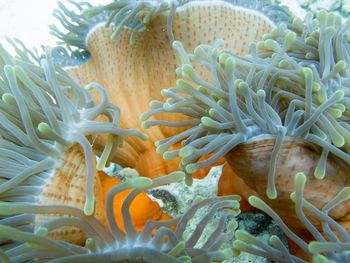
{"x":251,"y":163}
{"x":134,"y":75}
{"x":66,"y":186}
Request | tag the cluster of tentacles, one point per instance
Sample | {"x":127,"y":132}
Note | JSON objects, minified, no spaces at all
{"x":288,"y":88}
{"x":292,"y":87}
{"x":111,"y":244}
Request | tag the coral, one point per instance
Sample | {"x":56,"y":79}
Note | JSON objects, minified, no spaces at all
{"x":112,"y":245}
{"x":150,"y":26}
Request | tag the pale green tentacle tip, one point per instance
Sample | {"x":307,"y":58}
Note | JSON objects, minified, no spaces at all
{"x":144,"y":116}
{"x":271,"y":193}
{"x":271,"y":44}
{"x":186,"y":151}
{"x":178,"y":249}
{"x":237,"y":82}
{"x":42,"y":231}
{"x":340,"y":66}
{"x":316,"y":87}
{"x":275,"y":241}
{"x":307,"y":72}
{"x":44,"y":128}
{"x":181,"y":83}
{"x":187,"y":68}
{"x":336,"y":113}
{"x":8,"y":98}
{"x":319,"y":259}
{"x":145,"y":125}
{"x":292,"y":196}
{"x":243,"y":86}
{"x":290,"y":39}
{"x":199,"y":51}
{"x":260,"y":45}
{"x":321,"y":15}
{"x":255,"y":201}
{"x":284,"y":64}
{"x":89,"y":207}
{"x":191,"y":168}
{"x":316,"y":247}
{"x":232,"y":225}
{"x":154,"y":104}
{"x":244,"y":237}
{"x":177,"y":44}
{"x":206,"y":121}
{"x":338,"y":140}
{"x":339,"y":94}
{"x":157,"y":143}
{"x":261,"y":93}
{"x":300,"y":179}
{"x":168,"y":156}
{"x":320,"y":172}
{"x":144,"y":136}
{"x":239,"y":245}
{"x":88,"y":87}
{"x":222,"y":58}
{"x":140,"y":182}
{"x":165,"y":92}
{"x":90,"y":243}
{"x":161,"y":148}
{"x":230,"y":66}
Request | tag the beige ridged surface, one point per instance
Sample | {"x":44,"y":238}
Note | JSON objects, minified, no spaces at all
{"x":251,"y":163}
{"x":66,"y":186}
{"x":134,"y":75}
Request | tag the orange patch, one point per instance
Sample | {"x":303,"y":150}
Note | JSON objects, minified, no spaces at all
{"x":142,"y":208}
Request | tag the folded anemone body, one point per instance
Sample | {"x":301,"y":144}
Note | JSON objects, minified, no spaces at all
{"x":330,"y":245}
{"x":113,"y":245}
{"x":138,"y":61}
{"x":47,"y":125}
{"x":283,"y":109}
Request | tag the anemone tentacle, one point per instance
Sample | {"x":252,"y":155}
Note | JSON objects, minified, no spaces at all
{"x":331,"y":244}
{"x":279,"y":88}
{"x":112,"y":245}
{"x":44,"y":115}
{"x":134,"y":15}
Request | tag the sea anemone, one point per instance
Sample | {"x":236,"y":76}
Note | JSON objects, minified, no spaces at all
{"x":283,"y":109}
{"x":112,"y":245}
{"x":139,"y":61}
{"x":47,"y":124}
{"x":330,"y":245}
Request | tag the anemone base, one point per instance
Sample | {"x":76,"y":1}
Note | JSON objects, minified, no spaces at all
{"x":251,"y":162}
